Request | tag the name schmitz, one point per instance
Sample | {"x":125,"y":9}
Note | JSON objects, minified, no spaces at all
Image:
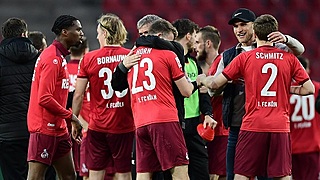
{"x":263,"y":55}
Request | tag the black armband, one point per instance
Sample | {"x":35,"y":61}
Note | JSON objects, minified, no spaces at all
{"x":209,"y":114}
{"x":195,"y":86}
{"x":287,"y":39}
{"x":123,"y":68}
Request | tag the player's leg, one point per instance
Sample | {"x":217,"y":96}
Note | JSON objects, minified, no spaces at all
{"x":240,"y":177}
{"x":144,"y":176}
{"x":41,"y":152}
{"x":279,"y":158}
{"x":98,"y":154}
{"x":252,"y":152}
{"x":217,"y":150}
{"x":231,"y":150}
{"x":64,"y":167}
{"x":120,"y":146}
{"x":62,"y":160}
{"x":198,"y":167}
{"x":36,"y":170}
{"x":146,"y":161}
{"x":180,"y":172}
{"x":170,"y":147}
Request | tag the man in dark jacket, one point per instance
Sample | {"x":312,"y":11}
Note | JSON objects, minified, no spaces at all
{"x":17,"y":59}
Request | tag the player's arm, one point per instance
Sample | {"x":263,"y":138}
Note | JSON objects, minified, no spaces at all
{"x":305,"y":89}
{"x":119,"y":80}
{"x":80,"y":89}
{"x":212,"y":82}
{"x":49,"y":76}
{"x":218,"y":70}
{"x":296,"y":47}
{"x":185,"y":87}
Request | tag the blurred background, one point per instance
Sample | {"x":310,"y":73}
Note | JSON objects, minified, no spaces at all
{"x":298,"y":18}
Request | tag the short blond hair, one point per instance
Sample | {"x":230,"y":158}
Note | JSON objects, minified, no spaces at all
{"x":113,"y":25}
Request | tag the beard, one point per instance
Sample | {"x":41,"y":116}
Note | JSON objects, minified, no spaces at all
{"x":201,"y":58}
{"x":202,"y":55}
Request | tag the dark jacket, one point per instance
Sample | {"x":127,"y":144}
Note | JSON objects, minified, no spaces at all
{"x":119,"y":78}
{"x":318,"y":103}
{"x":230,"y":91}
{"x":17,"y":60}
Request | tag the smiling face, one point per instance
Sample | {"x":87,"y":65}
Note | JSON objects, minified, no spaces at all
{"x":244,"y":32}
{"x":74,"y":34}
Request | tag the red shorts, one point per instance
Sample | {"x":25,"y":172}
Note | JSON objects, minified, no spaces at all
{"x":84,"y":171}
{"x":160,"y":146}
{"x":263,"y":154}
{"x":306,"y":166}
{"x":217,"y":151}
{"x":46,"y":149}
{"x":106,"y":147}
{"x":76,"y":154}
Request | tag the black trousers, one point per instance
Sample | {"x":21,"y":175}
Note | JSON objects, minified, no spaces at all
{"x":13,"y":159}
{"x":198,"y":167}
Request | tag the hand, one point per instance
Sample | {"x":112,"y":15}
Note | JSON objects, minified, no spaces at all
{"x":200,"y":79}
{"x":131,"y":59}
{"x":277,"y":37}
{"x":203,"y":89}
{"x":76,"y":129}
{"x":209,"y":121}
{"x":239,"y":81}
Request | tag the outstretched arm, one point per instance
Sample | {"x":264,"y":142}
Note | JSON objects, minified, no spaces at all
{"x":295,"y":46}
{"x":306,"y":88}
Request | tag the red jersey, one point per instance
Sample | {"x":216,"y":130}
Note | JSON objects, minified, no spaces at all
{"x":49,"y":91}
{"x":305,"y":123}
{"x":73,"y":66}
{"x":110,"y":111}
{"x":267,"y":72}
{"x":216,"y":102}
{"x":150,"y":82}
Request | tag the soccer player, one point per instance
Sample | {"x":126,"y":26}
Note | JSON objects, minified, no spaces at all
{"x":207,"y":47}
{"x":50,"y":143}
{"x":76,"y":54}
{"x":17,"y":59}
{"x":111,"y":126}
{"x":267,"y":72}
{"x":305,"y":132}
{"x":233,"y":93}
{"x":160,"y":142}
{"x":195,"y":105}
{"x":38,"y":39}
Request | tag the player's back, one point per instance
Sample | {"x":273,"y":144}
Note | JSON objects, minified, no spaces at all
{"x":305,"y":122}
{"x":150,"y":82}
{"x":268,"y":72}
{"x":110,"y":110}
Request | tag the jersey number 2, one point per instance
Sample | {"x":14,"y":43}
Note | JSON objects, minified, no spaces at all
{"x":274,"y":71}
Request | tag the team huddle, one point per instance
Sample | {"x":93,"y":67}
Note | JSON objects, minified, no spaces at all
{"x":119,"y":113}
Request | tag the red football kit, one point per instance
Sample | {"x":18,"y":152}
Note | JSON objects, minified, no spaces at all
{"x":110,"y":111}
{"x":267,"y":72}
{"x":150,"y":82}
{"x":49,"y":91}
{"x":216,"y":102}
{"x":305,"y":123}
{"x":73,"y":66}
